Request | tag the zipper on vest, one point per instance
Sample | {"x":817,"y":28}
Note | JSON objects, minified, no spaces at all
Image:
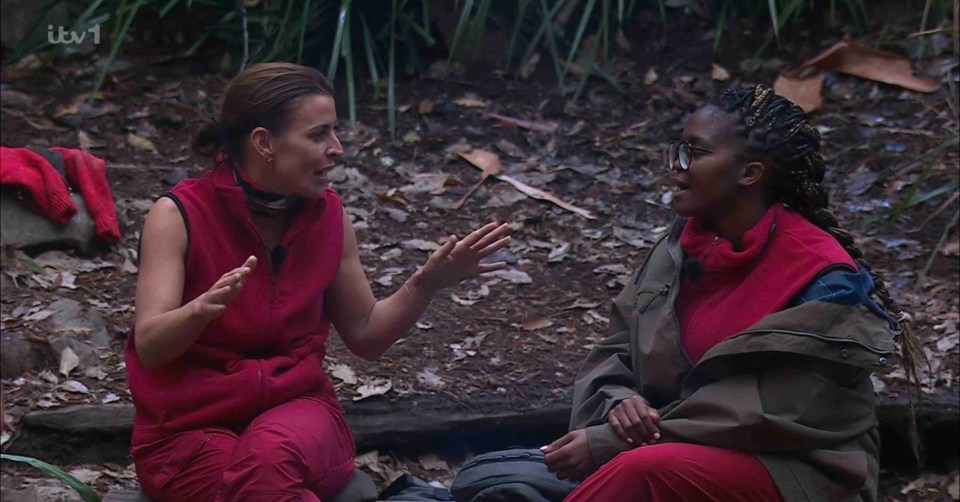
{"x":663,"y":292}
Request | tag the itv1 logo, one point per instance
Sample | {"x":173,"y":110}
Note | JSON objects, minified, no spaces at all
{"x":64,"y":36}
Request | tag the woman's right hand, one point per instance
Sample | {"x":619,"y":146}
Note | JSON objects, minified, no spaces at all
{"x":635,"y":421}
{"x":210,"y":304}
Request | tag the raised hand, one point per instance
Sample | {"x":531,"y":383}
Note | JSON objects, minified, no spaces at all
{"x":210,"y":304}
{"x":569,"y":457}
{"x":635,"y":421}
{"x":458,"y":260}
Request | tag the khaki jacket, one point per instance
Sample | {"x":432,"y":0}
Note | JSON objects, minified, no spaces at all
{"x":794,"y":388}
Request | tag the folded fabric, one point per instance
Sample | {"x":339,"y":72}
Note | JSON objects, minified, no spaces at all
{"x":89,"y":174}
{"x":49,"y":195}
{"x":50,"y":192}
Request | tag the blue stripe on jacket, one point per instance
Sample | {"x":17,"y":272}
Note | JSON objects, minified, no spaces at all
{"x":846,"y":288}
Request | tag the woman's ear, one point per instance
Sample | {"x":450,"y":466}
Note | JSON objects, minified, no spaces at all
{"x":262,"y":142}
{"x":753,"y":173}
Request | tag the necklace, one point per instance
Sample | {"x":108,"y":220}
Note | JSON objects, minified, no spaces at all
{"x":263,"y":202}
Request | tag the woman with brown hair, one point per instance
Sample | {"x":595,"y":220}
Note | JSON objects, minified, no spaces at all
{"x":739,"y":357}
{"x":241,"y":273}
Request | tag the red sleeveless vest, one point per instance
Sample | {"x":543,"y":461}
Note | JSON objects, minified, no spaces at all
{"x":267,"y":347}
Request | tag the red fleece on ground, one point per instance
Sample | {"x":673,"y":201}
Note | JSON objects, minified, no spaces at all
{"x":49,"y":193}
{"x":48,"y":190}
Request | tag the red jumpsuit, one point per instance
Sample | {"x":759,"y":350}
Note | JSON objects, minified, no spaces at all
{"x":247,"y":413}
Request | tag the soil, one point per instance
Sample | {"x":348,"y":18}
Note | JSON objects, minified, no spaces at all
{"x":519,"y":341}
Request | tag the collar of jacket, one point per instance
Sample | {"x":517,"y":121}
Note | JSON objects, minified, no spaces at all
{"x":235,"y":200}
{"x":843,"y":334}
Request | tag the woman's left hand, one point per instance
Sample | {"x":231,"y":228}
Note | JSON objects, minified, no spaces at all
{"x":569,"y":456}
{"x":458,"y":260}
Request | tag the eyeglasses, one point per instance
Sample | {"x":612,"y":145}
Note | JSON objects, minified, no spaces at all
{"x":681,"y":153}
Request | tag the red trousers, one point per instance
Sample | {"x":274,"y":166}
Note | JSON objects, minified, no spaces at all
{"x":301,"y":450}
{"x":679,"y":472}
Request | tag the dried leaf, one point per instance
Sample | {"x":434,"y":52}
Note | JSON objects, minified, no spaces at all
{"x":462,"y":301}
{"x":803,"y":84}
{"x":86,"y":476}
{"x":471,"y":102}
{"x":544,"y":127}
{"x":110,"y":398}
{"x":488,"y":163}
{"x":420,"y":244}
{"x":651,"y":77}
{"x":141,"y":143}
{"x":719,"y":73}
{"x":529,"y":65}
{"x":68,"y":361}
{"x":373,"y":387}
{"x":429,"y":378}
{"x":432,"y":183}
{"x":509,"y":148}
{"x":536,"y":193}
{"x":411,"y":137}
{"x":38,"y":315}
{"x":431,"y":462}
{"x":48,"y":376}
{"x":512,"y":275}
{"x":96,"y":372}
{"x":67,"y":280}
{"x":129,"y":267}
{"x":559,"y":253}
{"x":535,"y":323}
{"x":485,"y":160}
{"x":87,"y":142}
{"x":583,"y":304}
{"x":951,"y":248}
{"x":343,"y":373}
{"x":392,"y":254}
{"x":74,"y":386}
{"x":948,"y":342}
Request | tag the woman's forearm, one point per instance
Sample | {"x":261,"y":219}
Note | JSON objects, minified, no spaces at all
{"x":165,"y":337}
{"x":392,"y":317}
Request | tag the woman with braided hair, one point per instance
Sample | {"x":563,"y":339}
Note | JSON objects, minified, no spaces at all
{"x":739,"y":357}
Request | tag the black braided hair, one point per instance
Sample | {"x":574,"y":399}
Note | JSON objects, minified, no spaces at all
{"x":780,"y":131}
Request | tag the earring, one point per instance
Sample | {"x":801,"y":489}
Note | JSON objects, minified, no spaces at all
{"x":270,"y":158}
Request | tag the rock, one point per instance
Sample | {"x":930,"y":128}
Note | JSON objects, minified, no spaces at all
{"x":6,"y":284}
{"x":175,"y":176}
{"x":18,"y":355}
{"x":28,"y":494}
{"x":19,"y":16}
{"x":21,"y":227}
{"x":80,"y":328}
{"x":15,"y":99}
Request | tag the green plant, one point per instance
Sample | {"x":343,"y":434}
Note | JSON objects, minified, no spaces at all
{"x":369,"y":41}
{"x":86,"y":493}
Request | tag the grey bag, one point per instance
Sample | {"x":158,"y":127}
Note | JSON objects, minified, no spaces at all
{"x":517,"y":475}
{"x":411,"y":488}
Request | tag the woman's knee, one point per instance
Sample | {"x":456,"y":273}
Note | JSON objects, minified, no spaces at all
{"x":653,"y":461}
